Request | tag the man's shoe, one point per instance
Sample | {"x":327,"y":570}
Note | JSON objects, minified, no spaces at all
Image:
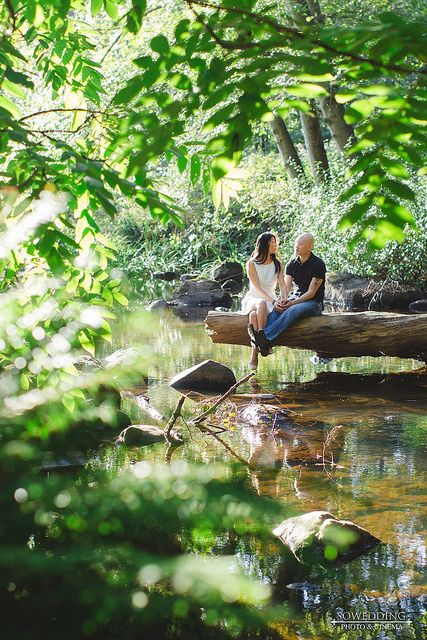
{"x":253,"y":335}
{"x":263,"y":344}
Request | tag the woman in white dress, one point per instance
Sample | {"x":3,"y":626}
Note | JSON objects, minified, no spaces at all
{"x":264,"y":271}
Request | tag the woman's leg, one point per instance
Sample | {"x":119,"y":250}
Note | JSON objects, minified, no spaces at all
{"x":253,"y":319}
{"x":262,"y":314}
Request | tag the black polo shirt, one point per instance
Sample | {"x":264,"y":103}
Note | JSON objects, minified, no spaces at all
{"x":303,"y":273}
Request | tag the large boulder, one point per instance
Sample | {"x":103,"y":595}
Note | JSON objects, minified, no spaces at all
{"x":346,"y":290}
{"x":206,"y":375}
{"x":354,"y":292}
{"x":320,"y":538}
{"x":201,"y":293}
{"x":233,"y":286}
{"x":228,"y":271}
{"x":167,"y":276}
{"x":419,"y":306}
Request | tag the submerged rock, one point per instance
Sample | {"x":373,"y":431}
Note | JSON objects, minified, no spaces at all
{"x":206,"y":375}
{"x":320,"y":538}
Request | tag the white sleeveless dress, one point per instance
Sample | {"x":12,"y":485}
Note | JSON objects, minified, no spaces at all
{"x":267,"y":277}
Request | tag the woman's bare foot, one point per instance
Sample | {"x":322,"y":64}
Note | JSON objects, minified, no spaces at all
{"x":253,"y":362}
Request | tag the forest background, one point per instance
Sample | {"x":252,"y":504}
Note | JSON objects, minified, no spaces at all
{"x":143,"y":137}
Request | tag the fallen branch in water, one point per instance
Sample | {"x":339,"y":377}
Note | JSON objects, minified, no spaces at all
{"x":174,"y":417}
{"x":196,"y":421}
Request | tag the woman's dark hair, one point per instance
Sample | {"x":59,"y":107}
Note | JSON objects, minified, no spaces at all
{"x":261,"y":254}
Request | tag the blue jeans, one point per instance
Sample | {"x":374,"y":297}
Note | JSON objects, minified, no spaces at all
{"x":279,"y":322}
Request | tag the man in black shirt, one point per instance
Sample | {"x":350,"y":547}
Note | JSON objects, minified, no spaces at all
{"x":308,"y":272}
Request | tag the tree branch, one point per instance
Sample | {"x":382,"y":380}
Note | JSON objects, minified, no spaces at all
{"x":295,"y":33}
{"x":196,"y":421}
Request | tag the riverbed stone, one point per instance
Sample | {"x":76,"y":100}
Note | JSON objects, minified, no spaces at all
{"x":206,"y":375}
{"x":321,"y":539}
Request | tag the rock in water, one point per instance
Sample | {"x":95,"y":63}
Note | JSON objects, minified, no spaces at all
{"x":158,"y":305}
{"x":419,"y":306}
{"x":202,"y":293}
{"x":141,"y":435}
{"x":320,"y":538}
{"x":206,"y":375}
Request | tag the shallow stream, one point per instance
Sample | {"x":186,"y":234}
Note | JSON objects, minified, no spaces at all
{"x":378,"y":479}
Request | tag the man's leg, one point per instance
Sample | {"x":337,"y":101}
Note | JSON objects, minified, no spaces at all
{"x":279,"y":322}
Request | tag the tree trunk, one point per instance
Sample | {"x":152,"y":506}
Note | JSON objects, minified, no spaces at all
{"x":336,"y":334}
{"x":299,"y":10}
{"x":314,"y":144}
{"x":287,"y":149}
{"x":333,"y":113}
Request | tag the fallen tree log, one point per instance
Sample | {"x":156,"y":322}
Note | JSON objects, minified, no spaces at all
{"x":336,"y":334}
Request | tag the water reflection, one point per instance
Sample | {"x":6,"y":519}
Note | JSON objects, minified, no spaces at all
{"x":373,"y":471}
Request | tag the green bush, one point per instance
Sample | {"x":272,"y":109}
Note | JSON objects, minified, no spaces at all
{"x":267,"y":200}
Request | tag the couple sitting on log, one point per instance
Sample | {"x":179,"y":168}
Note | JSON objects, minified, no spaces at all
{"x":270,"y":315}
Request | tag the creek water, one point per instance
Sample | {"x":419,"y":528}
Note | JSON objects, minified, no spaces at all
{"x":378,"y":479}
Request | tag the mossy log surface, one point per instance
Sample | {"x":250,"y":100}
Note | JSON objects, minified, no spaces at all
{"x":336,"y":335}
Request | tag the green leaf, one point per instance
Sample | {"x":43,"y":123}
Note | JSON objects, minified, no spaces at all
{"x":111,"y":8}
{"x":12,"y":88}
{"x":159,"y":44}
{"x":7,"y":104}
{"x":120,"y":298}
{"x":87,"y":342}
{"x":355,"y":214}
{"x":195,"y":169}
{"x":399,"y":189}
{"x":359,"y":110}
{"x":95,"y":6}
{"x":130,"y":91}
{"x":306,"y":90}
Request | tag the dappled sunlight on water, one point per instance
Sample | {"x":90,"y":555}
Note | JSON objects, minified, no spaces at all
{"x":372,"y":471}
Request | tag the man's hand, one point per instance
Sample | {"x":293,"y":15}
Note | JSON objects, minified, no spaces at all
{"x":279,"y":305}
{"x":286,"y":305}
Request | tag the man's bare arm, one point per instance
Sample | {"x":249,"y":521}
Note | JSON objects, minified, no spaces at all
{"x":308,"y":295}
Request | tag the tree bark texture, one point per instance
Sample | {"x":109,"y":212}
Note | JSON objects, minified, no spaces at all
{"x":300,"y":10}
{"x":287,"y":149}
{"x":333,"y":113}
{"x":314,"y":144}
{"x":336,"y":334}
